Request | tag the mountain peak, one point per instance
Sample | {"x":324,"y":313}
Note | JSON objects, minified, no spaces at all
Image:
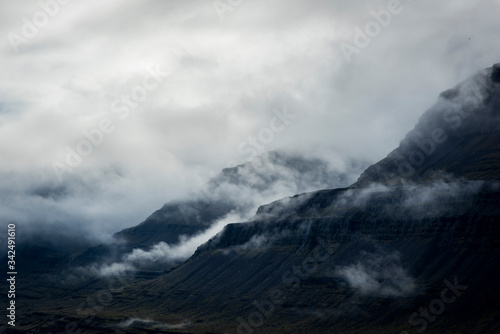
{"x":456,"y":137}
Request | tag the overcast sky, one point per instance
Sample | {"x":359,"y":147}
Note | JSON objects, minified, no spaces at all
{"x":226,"y":72}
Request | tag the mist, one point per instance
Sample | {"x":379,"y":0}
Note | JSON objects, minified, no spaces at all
{"x":378,"y":274}
{"x":416,"y":199}
{"x":161,"y":254}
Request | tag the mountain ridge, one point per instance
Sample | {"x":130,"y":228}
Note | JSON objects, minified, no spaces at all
{"x":373,"y":257}
{"x":464,"y":118}
{"x":438,"y":225}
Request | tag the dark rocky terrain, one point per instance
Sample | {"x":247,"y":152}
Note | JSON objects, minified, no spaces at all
{"x":263,"y":178}
{"x":413,"y":246}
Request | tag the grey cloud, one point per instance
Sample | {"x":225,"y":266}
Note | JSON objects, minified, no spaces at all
{"x":378,"y":274}
{"x":160,"y":254}
{"x":415,"y":199}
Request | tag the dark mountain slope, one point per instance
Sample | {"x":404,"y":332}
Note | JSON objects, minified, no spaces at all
{"x":376,"y":264}
{"x":458,"y":135}
{"x":372,"y":258}
{"x":235,"y":190}
{"x":401,"y":251}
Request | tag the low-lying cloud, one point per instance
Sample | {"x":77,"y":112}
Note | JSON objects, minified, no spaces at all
{"x":162,"y":253}
{"x":414,"y":198}
{"x":378,"y":274}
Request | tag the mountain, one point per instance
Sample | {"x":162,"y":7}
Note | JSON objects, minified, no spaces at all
{"x":457,"y":136}
{"x":400,"y":251}
{"x":269,"y":176}
{"x":237,"y":190}
{"x":412,"y":246}
{"x":349,"y":270}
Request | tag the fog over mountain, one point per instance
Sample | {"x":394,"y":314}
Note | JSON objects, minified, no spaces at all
{"x":349,"y":259}
{"x":231,"y":166}
{"x":173,"y":233}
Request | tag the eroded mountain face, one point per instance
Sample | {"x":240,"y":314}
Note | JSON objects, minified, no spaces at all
{"x":458,"y":137}
{"x":239,"y":190}
{"x":413,"y":246}
{"x":374,"y":257}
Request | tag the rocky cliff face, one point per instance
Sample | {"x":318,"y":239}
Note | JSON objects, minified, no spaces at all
{"x":413,"y":246}
{"x":235,"y":191}
{"x":239,"y":190}
{"x":361,"y":263}
{"x":405,"y":249}
{"x":457,"y":136}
